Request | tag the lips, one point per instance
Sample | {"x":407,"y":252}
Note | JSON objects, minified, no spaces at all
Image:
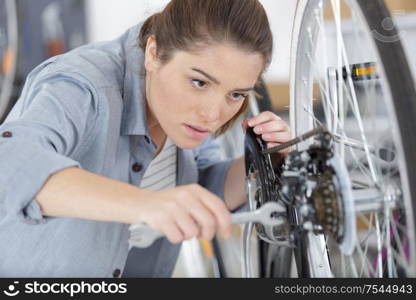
{"x":197,"y":132}
{"x":199,"y":128}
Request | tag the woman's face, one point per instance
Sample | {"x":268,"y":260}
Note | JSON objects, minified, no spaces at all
{"x":195,"y":93}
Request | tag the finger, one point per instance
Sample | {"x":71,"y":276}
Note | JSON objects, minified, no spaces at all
{"x":203,"y":216}
{"x":270,"y":126}
{"x":276,"y":137}
{"x":172,"y":232}
{"x":218,"y":208}
{"x":186,"y":224}
{"x":262,"y":118}
{"x":244,"y":124}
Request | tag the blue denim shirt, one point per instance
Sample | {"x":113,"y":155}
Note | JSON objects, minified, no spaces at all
{"x":86,"y":109}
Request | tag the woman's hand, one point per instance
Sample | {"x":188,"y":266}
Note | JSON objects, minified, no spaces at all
{"x":273,"y":130}
{"x":185,"y":212}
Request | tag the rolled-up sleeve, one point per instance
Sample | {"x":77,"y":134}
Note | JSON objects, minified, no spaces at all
{"x":48,"y":125}
{"x":212,"y":170}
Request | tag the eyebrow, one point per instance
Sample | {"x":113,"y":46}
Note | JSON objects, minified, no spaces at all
{"x":218,"y":82}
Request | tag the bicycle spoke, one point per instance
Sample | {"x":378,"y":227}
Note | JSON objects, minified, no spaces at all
{"x":328,"y":106}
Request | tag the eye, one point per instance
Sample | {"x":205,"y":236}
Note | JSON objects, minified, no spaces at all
{"x":199,"y":84}
{"x":238,"y":96}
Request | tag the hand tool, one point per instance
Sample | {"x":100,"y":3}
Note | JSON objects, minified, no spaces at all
{"x":268,"y":214}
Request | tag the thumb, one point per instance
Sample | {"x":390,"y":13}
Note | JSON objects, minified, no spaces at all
{"x":244,"y":124}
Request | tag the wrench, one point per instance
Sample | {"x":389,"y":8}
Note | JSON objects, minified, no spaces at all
{"x":263,"y":215}
{"x":143,"y":236}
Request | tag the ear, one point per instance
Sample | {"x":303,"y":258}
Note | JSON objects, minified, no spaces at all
{"x":151,"y":61}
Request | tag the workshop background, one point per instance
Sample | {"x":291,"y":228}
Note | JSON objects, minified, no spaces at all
{"x":197,"y":261}
{"x":51,"y":27}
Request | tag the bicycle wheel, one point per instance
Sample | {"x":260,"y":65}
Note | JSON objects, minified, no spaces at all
{"x":8,"y":52}
{"x":350,"y":74}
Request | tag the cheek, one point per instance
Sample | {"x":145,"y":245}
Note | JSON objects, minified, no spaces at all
{"x":230,"y":111}
{"x":168,"y":95}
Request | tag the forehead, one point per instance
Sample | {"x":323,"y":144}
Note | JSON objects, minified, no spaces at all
{"x":223,"y":61}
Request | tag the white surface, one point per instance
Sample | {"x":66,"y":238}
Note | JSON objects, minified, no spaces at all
{"x":191,"y":262}
{"x":110,"y":18}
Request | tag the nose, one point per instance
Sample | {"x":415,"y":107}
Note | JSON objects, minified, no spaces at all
{"x":210,"y":111}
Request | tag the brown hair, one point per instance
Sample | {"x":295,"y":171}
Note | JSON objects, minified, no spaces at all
{"x":186,"y":24}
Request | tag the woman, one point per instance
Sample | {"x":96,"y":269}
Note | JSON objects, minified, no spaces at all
{"x":80,"y":153}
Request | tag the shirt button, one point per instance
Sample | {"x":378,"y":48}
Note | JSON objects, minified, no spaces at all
{"x":116,"y":273}
{"x":136,"y":167}
{"x":7,"y":134}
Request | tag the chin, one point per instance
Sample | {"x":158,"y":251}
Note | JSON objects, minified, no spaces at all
{"x":189,"y":144}
{"x":186,"y":143}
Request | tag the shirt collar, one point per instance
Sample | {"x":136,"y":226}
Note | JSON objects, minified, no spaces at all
{"x":134,"y":120}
